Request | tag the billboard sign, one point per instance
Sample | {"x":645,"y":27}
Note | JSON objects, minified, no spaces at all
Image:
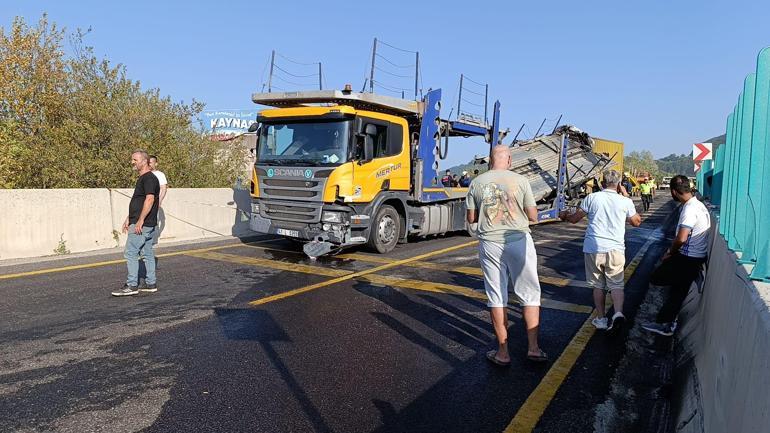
{"x":226,"y":124}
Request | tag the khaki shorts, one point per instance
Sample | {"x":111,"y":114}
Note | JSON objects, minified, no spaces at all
{"x":605,"y":270}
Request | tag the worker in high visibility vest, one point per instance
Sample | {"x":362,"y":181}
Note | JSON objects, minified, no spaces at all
{"x":653,"y":189}
{"x":646,"y":189}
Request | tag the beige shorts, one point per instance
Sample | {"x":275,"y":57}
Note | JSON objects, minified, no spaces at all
{"x":605,"y":270}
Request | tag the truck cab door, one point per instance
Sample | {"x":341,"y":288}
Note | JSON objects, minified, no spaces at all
{"x":387,"y":165}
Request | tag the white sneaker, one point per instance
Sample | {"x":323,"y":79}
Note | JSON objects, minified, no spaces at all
{"x":618,"y":319}
{"x":600,"y":322}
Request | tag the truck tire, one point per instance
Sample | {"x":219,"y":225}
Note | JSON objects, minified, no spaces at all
{"x":385,"y":230}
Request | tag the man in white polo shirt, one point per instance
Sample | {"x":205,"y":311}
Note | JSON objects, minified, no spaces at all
{"x":163,"y":188}
{"x":161,"y":178}
{"x":604,"y":247}
{"x":683,"y":261}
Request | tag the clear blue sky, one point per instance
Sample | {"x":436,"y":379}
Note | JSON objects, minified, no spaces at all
{"x":658,"y":75}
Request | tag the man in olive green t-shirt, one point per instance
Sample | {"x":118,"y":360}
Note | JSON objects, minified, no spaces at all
{"x":501,"y":202}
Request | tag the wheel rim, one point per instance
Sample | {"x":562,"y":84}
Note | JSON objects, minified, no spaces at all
{"x":386,"y":230}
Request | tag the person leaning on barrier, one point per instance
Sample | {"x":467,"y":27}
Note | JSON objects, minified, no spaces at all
{"x":683,"y":261}
{"x":604,"y":246}
{"x":140,"y":224}
{"x":502,"y":204}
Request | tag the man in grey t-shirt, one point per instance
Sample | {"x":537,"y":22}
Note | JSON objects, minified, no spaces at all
{"x":502,"y":204}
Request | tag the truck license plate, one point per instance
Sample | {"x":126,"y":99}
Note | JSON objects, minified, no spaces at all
{"x":286,"y":232}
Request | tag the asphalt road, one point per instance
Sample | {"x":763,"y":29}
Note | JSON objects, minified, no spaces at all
{"x":255,"y":337}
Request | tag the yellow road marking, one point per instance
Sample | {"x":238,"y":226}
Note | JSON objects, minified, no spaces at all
{"x":555,"y":281}
{"x":533,"y":408}
{"x":273,"y":264}
{"x":358,"y":274}
{"x":426,"y":286}
{"x":429,"y":286}
{"x":114,"y":262}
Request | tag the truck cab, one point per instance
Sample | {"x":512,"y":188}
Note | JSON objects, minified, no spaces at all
{"x":318,"y":169}
{"x":336,"y":169}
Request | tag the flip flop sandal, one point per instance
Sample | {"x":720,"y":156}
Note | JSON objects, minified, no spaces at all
{"x":540,"y":357}
{"x":492,"y":357}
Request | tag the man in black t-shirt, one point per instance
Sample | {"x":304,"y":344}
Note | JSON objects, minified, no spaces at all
{"x":140,"y":224}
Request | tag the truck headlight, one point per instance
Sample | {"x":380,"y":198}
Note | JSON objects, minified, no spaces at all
{"x":331,"y":217}
{"x":255,"y":208}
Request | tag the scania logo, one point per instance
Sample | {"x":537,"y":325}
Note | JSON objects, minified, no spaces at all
{"x":289,"y":172}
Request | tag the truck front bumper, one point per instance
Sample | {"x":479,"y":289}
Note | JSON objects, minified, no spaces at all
{"x":341,"y":233}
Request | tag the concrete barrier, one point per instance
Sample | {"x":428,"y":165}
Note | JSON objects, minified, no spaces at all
{"x":37,"y":222}
{"x":723,"y":352}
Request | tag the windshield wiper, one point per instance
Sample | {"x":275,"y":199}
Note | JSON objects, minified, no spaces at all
{"x":271,"y":162}
{"x":300,"y":162}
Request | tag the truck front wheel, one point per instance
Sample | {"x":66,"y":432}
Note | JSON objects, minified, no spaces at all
{"x":385,"y":231}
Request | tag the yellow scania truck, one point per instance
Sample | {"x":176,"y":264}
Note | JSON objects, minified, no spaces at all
{"x":337,"y":168}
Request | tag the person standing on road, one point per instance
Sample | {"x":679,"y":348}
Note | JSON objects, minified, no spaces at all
{"x":161,"y":178}
{"x":604,"y":247}
{"x":140,"y":226}
{"x":502,"y":204}
{"x":163,"y":187}
{"x":447,"y":179}
{"x":645,"y":188}
{"x":465,"y":180}
{"x":683,"y":261}
{"x":653,"y":189}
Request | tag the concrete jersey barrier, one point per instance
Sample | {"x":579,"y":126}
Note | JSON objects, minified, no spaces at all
{"x":723,"y":356}
{"x":42,"y":222}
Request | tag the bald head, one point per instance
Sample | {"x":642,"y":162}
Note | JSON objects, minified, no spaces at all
{"x":500,"y":158}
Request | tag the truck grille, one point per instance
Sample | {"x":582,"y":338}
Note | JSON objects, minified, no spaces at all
{"x":291,"y":211}
{"x":306,"y":189}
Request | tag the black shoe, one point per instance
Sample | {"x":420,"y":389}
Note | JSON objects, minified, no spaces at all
{"x":148,"y":288}
{"x":126,"y":291}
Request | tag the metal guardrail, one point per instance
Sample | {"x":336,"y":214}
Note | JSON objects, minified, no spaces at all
{"x":737,"y":180}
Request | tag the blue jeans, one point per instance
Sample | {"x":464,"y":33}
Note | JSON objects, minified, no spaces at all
{"x":135,"y":245}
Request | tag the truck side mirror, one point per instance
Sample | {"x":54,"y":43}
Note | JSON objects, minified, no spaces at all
{"x":370,"y":131}
{"x":254,"y":127}
{"x":368,"y":148}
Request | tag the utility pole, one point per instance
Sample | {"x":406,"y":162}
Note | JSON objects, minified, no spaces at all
{"x":371,"y":73}
{"x":320,"y":77}
{"x":270,"y":78}
{"x":460,"y":96}
{"x":416,"y":73}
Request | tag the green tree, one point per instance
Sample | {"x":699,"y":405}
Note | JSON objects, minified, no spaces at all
{"x":638,"y":163}
{"x":72,"y":121}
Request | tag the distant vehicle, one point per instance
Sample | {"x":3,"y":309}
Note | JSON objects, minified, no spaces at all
{"x":664,"y":184}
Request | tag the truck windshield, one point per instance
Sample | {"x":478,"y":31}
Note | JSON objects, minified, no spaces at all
{"x":304,"y":143}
